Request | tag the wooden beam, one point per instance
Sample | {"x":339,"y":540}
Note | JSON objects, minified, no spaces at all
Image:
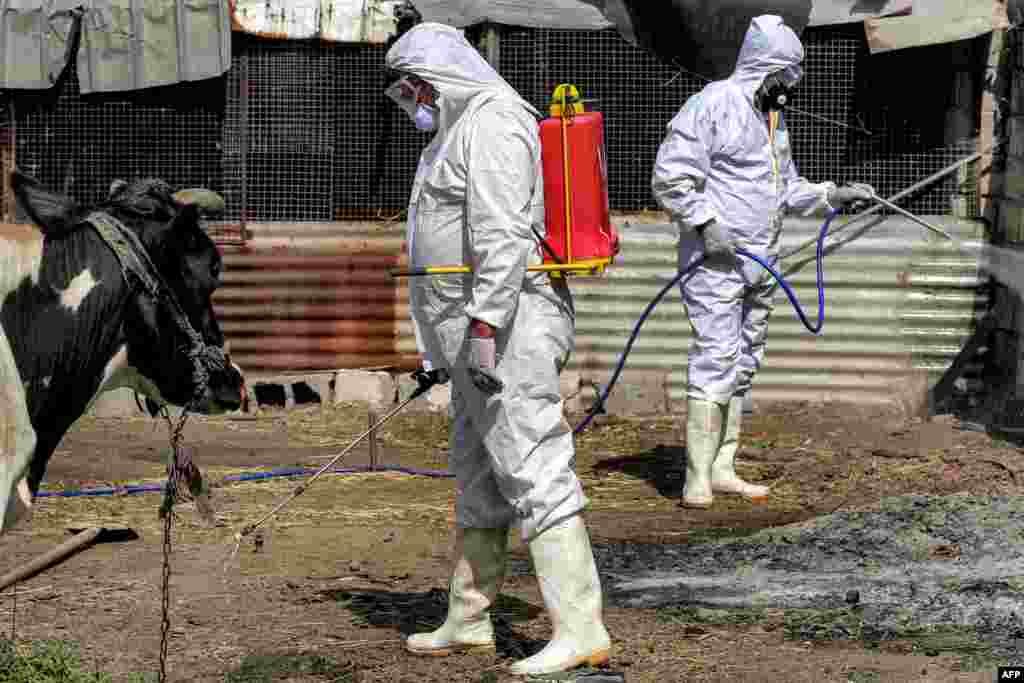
{"x":989,"y":107}
{"x":62,"y":552}
{"x":8,"y":144}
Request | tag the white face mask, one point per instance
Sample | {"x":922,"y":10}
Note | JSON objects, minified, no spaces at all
{"x":425,"y":118}
{"x":404,"y":94}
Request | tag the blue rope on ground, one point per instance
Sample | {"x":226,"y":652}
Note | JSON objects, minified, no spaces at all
{"x":246,"y":476}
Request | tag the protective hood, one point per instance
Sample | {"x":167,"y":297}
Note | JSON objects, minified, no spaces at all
{"x":768,"y":46}
{"x":441,"y":55}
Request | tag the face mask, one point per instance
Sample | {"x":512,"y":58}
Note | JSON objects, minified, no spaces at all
{"x":425,"y":118}
{"x":774,"y":94}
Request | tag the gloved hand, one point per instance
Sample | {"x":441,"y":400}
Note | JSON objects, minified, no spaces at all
{"x":855,"y":194}
{"x":483,"y":358}
{"x":717,"y":245}
{"x":428,"y":378}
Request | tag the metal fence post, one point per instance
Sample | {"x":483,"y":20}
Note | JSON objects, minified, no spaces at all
{"x":372,"y":416}
{"x":8,"y":146}
{"x":492,"y":45}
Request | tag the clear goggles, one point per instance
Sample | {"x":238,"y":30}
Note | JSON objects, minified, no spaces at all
{"x":790,"y":75}
{"x":405,"y":91}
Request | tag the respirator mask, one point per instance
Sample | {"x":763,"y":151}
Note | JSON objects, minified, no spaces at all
{"x":776,"y":92}
{"x":406,"y":92}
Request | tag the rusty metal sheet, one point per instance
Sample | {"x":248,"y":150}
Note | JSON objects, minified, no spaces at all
{"x":346,"y":21}
{"x":314,"y":362}
{"x":307,"y":311}
{"x":8,"y":207}
{"x":313,"y":297}
{"x":900,"y":307}
{"x":312,"y":328}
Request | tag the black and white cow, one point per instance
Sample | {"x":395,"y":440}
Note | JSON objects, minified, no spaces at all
{"x":74,"y":322}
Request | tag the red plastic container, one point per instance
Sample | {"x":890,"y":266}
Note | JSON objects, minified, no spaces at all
{"x":592,"y":237}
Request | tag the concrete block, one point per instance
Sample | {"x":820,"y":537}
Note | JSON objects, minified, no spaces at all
{"x":638,"y":392}
{"x":116,"y":403}
{"x":375,"y":387}
{"x":436,"y":400}
{"x":318,"y":388}
{"x":293,"y":390}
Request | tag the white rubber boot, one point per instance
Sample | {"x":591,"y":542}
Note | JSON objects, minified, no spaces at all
{"x":703,"y":437}
{"x":568,"y":579}
{"x":475,"y":584}
{"x":723,"y":469}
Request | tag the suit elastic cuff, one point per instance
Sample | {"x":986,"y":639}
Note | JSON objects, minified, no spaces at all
{"x":702,"y":219}
{"x":492,"y":319}
{"x":828,"y":187}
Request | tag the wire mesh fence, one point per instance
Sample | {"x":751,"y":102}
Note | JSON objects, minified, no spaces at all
{"x":309,"y":136}
{"x":78,"y":145}
{"x":879,"y":119}
{"x":300,"y":130}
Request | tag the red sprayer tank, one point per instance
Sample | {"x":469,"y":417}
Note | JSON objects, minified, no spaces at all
{"x":572,"y":145}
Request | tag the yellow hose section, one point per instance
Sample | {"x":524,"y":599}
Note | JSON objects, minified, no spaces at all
{"x":565,"y":172}
{"x":773,"y":125}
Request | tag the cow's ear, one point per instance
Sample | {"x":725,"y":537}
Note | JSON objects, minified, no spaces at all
{"x":53,"y":213}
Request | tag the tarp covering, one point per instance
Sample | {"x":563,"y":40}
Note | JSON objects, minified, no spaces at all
{"x":125,"y":44}
{"x":554,"y":14}
{"x":700,"y":35}
{"x":830,"y":12}
{"x":703,"y":36}
{"x":938,"y":21}
{"x":345,"y":21}
{"x":134,"y":44}
{"x":601,"y":14}
{"x":35,"y":38}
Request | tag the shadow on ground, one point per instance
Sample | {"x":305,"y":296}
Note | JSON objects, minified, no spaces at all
{"x":421,"y":612}
{"x":289,"y":667}
{"x":663,"y":467}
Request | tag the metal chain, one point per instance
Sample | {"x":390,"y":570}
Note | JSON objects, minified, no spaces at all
{"x":170,"y":496}
{"x":14,"y":613}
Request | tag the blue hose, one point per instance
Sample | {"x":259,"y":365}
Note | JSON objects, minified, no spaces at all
{"x":245,"y":476}
{"x":814,"y":329}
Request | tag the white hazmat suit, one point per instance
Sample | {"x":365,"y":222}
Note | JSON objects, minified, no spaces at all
{"x":478,"y":192}
{"x":725,"y":160}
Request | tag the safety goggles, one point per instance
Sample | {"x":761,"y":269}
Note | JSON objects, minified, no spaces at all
{"x":406,"y":92}
{"x":408,"y":87}
{"x":790,"y":75}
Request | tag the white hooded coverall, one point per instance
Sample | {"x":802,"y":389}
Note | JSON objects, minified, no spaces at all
{"x":478,"y":189}
{"x":717,"y":162}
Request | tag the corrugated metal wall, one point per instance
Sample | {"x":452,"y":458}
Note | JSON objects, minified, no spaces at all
{"x":899,"y":306}
{"x":308,"y":296}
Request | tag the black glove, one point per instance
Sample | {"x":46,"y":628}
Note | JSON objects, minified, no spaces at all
{"x":854,"y":195}
{"x":482,"y":362}
{"x":428,"y":378}
{"x":718,"y":248}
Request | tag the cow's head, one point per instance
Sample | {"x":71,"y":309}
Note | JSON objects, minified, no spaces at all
{"x":173,"y":340}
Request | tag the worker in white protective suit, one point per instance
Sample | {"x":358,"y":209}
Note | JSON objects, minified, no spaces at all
{"x":503,"y":335}
{"x":725,"y":174}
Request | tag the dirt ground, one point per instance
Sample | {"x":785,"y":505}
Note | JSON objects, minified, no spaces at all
{"x":358,"y":561}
